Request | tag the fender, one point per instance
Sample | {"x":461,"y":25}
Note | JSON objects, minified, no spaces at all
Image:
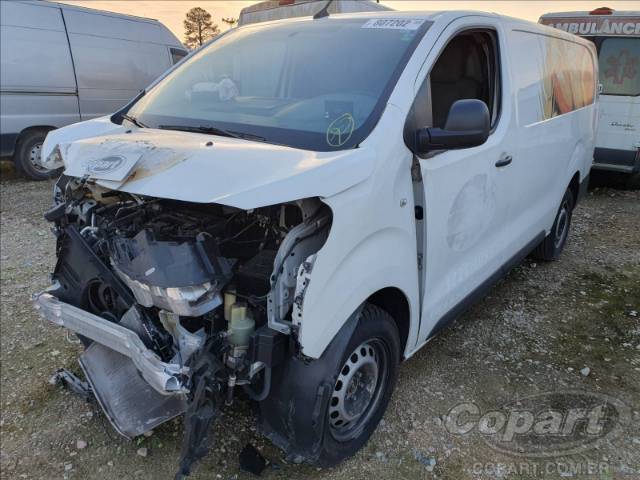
{"x":580,"y":163}
{"x":371,"y":244}
{"x":384,"y":259}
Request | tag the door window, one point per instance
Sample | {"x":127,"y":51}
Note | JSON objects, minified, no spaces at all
{"x":177,"y":54}
{"x":467,"y":68}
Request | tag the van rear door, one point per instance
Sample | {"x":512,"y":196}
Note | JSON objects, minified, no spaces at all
{"x":618,"y":138}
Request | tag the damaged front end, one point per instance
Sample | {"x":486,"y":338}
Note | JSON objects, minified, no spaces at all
{"x":178,"y":303}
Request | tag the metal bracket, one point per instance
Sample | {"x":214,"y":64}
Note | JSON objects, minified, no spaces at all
{"x":72,"y":382}
{"x":205,"y":400}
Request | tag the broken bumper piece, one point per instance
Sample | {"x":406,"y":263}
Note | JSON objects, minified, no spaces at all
{"x":165,"y":378}
{"x":128,"y":401}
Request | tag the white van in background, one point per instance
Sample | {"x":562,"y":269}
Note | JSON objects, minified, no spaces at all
{"x":617,"y":39}
{"x":280,"y":9}
{"x":62,"y":64}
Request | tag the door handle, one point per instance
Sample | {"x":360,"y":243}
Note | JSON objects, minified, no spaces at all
{"x":504,"y":161}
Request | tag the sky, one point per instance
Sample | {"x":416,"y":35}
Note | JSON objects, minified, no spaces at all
{"x":172,"y":12}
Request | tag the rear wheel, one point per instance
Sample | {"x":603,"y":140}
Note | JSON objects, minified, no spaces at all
{"x":28,"y":156}
{"x":551,"y":247}
{"x":633,"y":181}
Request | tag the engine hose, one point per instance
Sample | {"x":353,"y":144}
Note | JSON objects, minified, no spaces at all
{"x":266,"y":387}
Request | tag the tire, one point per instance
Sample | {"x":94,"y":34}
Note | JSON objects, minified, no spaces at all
{"x":376,"y":340}
{"x":27,"y":156}
{"x":633,"y":181}
{"x":296,"y":415}
{"x":551,"y":247}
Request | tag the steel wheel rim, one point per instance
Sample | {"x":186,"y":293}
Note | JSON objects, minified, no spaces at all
{"x":35,"y":157}
{"x":562,"y":225}
{"x":358,"y":389}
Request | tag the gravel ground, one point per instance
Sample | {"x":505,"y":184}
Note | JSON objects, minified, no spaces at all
{"x":534,"y":333}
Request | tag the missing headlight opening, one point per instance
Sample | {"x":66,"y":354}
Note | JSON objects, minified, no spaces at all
{"x":178,"y":304}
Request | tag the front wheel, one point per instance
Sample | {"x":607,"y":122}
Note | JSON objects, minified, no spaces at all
{"x":363,"y":385}
{"x":551,"y":247}
{"x":323,"y":411}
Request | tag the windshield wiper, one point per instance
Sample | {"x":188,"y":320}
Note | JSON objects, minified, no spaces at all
{"x":202,"y":129}
{"x":133,"y":120}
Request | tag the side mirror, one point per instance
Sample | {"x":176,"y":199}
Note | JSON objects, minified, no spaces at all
{"x":467,"y":126}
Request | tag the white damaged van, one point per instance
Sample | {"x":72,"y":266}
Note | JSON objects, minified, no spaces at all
{"x":301,"y":205}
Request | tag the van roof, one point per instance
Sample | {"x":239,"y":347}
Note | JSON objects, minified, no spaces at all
{"x":66,"y":6}
{"x":417,"y":14}
{"x":442,"y":16}
{"x":431,"y":15}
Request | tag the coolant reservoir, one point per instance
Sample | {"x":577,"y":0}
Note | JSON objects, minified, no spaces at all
{"x":229,"y":301}
{"x":241,"y":325}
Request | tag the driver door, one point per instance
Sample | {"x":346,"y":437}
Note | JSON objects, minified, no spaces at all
{"x":466,"y":194}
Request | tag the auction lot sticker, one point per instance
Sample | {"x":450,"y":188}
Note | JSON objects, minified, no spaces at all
{"x":394,"y":23}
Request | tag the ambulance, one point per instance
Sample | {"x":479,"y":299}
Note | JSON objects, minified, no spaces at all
{"x":616,"y":35}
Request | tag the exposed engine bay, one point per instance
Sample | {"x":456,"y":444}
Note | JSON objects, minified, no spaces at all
{"x":178,"y":304}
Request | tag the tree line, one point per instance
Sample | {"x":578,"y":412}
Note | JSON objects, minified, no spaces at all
{"x":199,"y":27}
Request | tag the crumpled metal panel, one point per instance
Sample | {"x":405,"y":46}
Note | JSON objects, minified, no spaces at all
{"x":132,"y":406}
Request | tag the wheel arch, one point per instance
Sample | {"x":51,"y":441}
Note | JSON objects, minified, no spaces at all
{"x":35,"y":128}
{"x":24,"y":142}
{"x":393,"y":301}
{"x":574,"y":186}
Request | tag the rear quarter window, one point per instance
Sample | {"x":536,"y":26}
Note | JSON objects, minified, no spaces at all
{"x":553,"y":78}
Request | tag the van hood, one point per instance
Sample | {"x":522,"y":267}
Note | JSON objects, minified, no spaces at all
{"x":204,"y":168}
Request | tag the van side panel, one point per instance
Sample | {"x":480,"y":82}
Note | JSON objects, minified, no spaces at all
{"x":555,"y":88}
{"x":617,"y":36}
{"x":115,"y":58}
{"x":105,"y":24}
{"x":37,"y":84}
